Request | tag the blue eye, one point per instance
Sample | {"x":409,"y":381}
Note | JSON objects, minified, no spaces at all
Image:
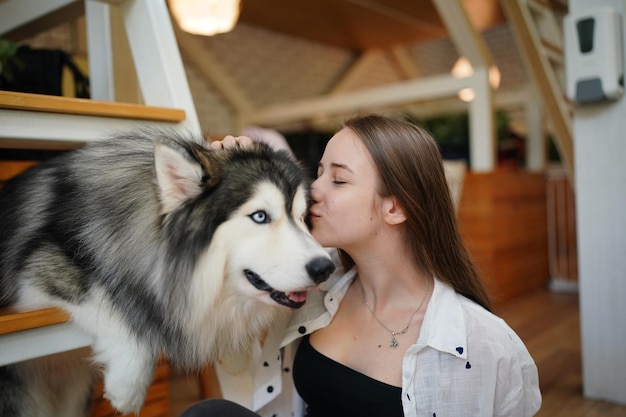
{"x":260,"y":217}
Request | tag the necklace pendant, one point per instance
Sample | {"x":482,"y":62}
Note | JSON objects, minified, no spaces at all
{"x":394,"y":343}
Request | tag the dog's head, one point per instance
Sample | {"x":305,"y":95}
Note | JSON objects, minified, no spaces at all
{"x":242,"y":212}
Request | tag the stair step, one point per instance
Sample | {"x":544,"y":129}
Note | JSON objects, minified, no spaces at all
{"x":36,"y":121}
{"x":13,"y":321}
{"x":86,"y":107}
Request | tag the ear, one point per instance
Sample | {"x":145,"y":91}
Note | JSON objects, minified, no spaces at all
{"x":178,"y":178}
{"x":393,"y":213}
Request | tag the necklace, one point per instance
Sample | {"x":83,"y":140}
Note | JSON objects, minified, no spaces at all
{"x":394,"y":342}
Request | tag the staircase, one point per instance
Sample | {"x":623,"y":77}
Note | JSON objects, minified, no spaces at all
{"x":51,"y":122}
{"x":536,"y":25}
{"x":33,"y":121}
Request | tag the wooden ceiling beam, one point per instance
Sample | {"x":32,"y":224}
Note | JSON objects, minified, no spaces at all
{"x":355,"y":72}
{"x":465,"y":37}
{"x":404,"y":62}
{"x":405,"y":92}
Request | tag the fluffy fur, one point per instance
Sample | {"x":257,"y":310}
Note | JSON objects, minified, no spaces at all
{"x":155,"y":245}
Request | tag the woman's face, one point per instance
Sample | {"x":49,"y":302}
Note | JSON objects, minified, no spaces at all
{"x":346,"y":207}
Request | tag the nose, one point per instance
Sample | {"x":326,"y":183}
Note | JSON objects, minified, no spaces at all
{"x":314,"y":192}
{"x":319,"y":269}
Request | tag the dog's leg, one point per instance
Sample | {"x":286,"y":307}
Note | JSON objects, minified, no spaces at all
{"x":127,"y":362}
{"x":128,"y":371}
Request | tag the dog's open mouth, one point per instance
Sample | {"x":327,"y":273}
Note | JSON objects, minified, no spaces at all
{"x":294,"y":299}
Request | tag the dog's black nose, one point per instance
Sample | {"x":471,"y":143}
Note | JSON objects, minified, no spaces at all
{"x":319,"y":269}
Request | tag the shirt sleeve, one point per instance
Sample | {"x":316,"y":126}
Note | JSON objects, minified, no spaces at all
{"x":517,"y":388}
{"x":262,"y":381}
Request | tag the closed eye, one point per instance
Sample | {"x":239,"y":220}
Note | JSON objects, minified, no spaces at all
{"x":260,"y":217}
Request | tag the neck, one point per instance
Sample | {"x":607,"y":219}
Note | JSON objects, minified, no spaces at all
{"x":392,"y":284}
{"x":388,"y":272}
{"x":395,"y":308}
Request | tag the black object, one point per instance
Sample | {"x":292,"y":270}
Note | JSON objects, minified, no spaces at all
{"x":40,"y":71}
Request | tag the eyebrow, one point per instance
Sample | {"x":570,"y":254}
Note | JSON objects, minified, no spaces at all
{"x":336,"y":165}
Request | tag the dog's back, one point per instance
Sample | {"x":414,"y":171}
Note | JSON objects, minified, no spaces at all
{"x":51,"y":217}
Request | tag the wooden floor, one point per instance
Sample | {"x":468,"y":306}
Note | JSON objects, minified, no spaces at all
{"x":549,"y":325}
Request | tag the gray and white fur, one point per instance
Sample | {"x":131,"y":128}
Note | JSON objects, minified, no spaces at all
{"x":155,"y":245}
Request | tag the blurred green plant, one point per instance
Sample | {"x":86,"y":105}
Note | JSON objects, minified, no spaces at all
{"x":9,"y":61}
{"x":451,"y":132}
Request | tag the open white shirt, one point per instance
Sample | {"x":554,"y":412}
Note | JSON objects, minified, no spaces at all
{"x":465,"y":362}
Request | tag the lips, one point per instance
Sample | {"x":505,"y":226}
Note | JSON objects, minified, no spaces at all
{"x":294,"y":299}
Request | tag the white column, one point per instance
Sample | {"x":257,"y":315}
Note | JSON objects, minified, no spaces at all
{"x":536,"y":143}
{"x":481,"y":124}
{"x":599,"y":149}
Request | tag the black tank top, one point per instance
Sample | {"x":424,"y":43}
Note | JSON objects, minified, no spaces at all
{"x":331,"y":389}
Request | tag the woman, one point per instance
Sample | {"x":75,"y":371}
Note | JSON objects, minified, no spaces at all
{"x":404,"y":328}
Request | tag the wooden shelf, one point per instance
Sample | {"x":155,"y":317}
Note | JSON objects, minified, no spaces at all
{"x":85,"y":107}
{"x":12,"y":321}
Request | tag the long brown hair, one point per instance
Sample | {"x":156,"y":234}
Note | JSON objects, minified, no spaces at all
{"x":410,"y":168}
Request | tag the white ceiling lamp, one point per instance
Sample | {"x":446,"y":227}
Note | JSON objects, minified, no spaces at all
{"x":462,"y":68}
{"x":206,"y":17}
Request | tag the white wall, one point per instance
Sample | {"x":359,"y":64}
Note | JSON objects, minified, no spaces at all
{"x":600,"y":160}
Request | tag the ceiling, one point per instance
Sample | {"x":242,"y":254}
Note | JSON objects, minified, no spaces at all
{"x":350,"y":24}
{"x":362,"y":24}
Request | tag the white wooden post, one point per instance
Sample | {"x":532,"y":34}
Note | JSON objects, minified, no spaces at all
{"x":98,"y":17}
{"x":481,"y":124}
{"x":481,"y":113}
{"x":160,"y":70}
{"x":536,"y":143}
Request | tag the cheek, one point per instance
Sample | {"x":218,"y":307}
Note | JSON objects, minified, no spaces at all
{"x":343,"y":216}
{"x":338,"y":208}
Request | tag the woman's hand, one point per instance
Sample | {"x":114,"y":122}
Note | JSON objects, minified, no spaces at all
{"x":230,"y":141}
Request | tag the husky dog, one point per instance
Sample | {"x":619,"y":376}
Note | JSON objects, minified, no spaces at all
{"x":155,"y":245}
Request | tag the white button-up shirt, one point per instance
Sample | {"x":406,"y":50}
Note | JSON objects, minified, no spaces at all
{"x":465,"y":362}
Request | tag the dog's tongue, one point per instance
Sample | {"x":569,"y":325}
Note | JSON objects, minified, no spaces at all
{"x":297,"y":296}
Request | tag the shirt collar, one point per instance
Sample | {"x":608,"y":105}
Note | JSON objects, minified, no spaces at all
{"x":443,"y":327}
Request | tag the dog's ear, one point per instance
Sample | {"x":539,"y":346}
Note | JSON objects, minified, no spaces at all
{"x":179,"y":178}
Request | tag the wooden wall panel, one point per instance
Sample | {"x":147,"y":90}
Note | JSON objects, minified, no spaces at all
{"x":503,"y":221}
